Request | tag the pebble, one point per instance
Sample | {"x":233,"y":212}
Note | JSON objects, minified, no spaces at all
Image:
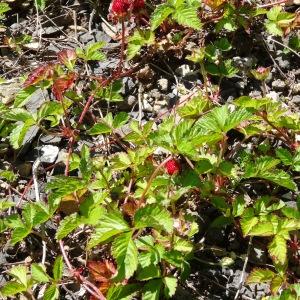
{"x":183,"y":70}
{"x":163,"y":84}
{"x":131,"y":100}
{"x":278,"y":84}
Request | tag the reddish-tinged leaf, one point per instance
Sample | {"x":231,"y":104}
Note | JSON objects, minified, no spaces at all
{"x":101,"y":271}
{"x":61,"y":84}
{"x":41,"y":73}
{"x":67,"y":57}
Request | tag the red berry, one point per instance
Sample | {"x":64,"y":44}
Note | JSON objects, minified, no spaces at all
{"x":120,"y":7}
{"x":172,"y":167}
{"x":124,"y":7}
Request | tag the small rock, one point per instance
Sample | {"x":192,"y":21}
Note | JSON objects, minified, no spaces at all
{"x":94,"y":36}
{"x":273,"y":95}
{"x":163,"y":84}
{"x":296,"y":99}
{"x":128,"y":85}
{"x":296,"y":88}
{"x":278,"y":84}
{"x":283,"y":63}
{"x":131,"y":100}
{"x":49,"y":154}
{"x":147,"y":106}
{"x":9,"y":89}
{"x":155,"y":93}
{"x":183,"y":70}
{"x":50,"y":139}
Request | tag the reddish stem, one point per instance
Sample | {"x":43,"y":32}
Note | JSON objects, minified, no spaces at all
{"x":85,"y":109}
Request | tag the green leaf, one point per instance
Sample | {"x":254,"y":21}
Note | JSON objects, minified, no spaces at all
{"x":38,"y":273}
{"x":155,"y":216}
{"x":160,"y":14}
{"x":20,"y":273}
{"x":122,"y":292}
{"x":12,"y":288}
{"x":274,"y":12}
{"x":151,"y":290}
{"x":238,"y":206}
{"x":6,"y":204}
{"x":51,"y":293}
{"x":220,"y":119}
{"x":41,"y":4}
{"x":248,"y":102}
{"x":187,"y":16}
{"x":170,"y":286}
{"x":24,"y":96}
{"x":248,"y":221}
{"x":223,"y":44}
{"x":17,"y":114}
{"x":67,"y":225}
{"x":262,"y":229}
{"x":148,"y":272}
{"x":111,"y":225}
{"x":58,"y":268}
{"x":285,"y":156}
{"x":125,"y":253}
{"x":281,"y":178}
{"x":139,"y":39}
{"x":120,"y":119}
{"x":100,"y":128}
{"x":18,"y":134}
{"x":273,"y":28}
{"x":92,"y":52}
{"x":278,"y":249}
{"x":258,"y":275}
{"x":19,"y":234}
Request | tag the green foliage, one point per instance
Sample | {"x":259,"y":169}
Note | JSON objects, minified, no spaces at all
{"x":142,"y":220}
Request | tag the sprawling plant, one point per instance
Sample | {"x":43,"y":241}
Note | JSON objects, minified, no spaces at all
{"x":137,"y":211}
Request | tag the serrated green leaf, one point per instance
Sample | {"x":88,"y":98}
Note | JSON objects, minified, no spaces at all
{"x":262,"y":229}
{"x":120,"y":119}
{"x":125,"y":253}
{"x":67,"y":225}
{"x":24,"y":96}
{"x":260,"y":276}
{"x":18,"y":134}
{"x":285,"y":156}
{"x":111,"y":224}
{"x":19,"y":234}
{"x":41,"y":4}
{"x":12,"y":288}
{"x":160,"y":14}
{"x":248,"y":102}
{"x":151,"y":290}
{"x":6,"y":204}
{"x":122,"y":292}
{"x":51,"y":293}
{"x":58,"y":268}
{"x":20,"y":273}
{"x":148,"y":272}
{"x":170,"y":286}
{"x":273,"y":28}
{"x":100,"y":128}
{"x":155,"y":216}
{"x":38,"y":273}
{"x":187,"y":16}
{"x":278,"y":249}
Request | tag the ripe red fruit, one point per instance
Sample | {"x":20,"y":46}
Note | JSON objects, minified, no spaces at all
{"x":121,"y":8}
{"x":172,"y":167}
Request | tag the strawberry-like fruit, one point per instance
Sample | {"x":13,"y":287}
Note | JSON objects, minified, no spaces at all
{"x":121,"y":8}
{"x":172,"y":167}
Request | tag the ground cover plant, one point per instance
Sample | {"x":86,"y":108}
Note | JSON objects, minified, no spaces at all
{"x":157,"y":157}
